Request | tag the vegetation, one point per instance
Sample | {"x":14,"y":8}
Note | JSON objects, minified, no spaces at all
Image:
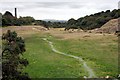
{"x":98,"y":54}
{"x":71,"y":24}
{"x":9,"y":20}
{"x":98,"y":51}
{"x":44,"y":63}
{"x":85,"y":23}
{"x":12,"y":60}
{"x":26,"y":20}
{"x":52,"y":65}
{"x":93,"y":21}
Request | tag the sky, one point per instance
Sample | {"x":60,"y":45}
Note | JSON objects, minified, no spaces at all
{"x":57,"y":9}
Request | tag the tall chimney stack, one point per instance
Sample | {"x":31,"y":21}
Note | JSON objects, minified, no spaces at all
{"x":16,"y":12}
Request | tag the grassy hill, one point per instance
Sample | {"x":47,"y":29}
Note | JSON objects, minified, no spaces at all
{"x":110,"y":27}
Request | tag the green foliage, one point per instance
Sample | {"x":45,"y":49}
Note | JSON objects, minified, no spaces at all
{"x":38,"y":22}
{"x":12,"y":62}
{"x":71,"y":21}
{"x":26,"y":20}
{"x":86,"y":23}
{"x":93,"y":21}
{"x":9,"y":20}
{"x":57,"y":24}
{"x":50,"y":24}
{"x":71,"y":24}
{"x":42,"y":23}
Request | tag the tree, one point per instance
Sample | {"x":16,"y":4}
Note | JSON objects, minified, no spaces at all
{"x":45,"y":24}
{"x":12,"y":61}
{"x":95,"y":20}
{"x":71,"y":24}
{"x":28,"y":20}
{"x":9,"y":20}
{"x":72,"y":21}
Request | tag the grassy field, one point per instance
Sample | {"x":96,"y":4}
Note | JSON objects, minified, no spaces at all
{"x":99,"y":51}
{"x":100,"y":54}
{"x":45,"y":63}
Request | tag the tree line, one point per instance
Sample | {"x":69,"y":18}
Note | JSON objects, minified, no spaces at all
{"x":9,"y":20}
{"x":94,"y":20}
{"x":88,"y":22}
{"x":85,"y":23}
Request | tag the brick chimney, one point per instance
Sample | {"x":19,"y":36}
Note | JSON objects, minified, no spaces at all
{"x":16,"y":12}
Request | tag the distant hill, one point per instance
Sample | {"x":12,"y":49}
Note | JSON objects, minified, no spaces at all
{"x":54,"y":20}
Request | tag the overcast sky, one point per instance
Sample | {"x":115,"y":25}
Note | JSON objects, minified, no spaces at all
{"x":57,"y":9}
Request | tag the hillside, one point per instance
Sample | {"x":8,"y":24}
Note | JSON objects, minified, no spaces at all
{"x":93,"y":21}
{"x":110,"y":27}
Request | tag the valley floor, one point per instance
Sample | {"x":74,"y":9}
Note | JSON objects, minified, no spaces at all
{"x":99,"y":51}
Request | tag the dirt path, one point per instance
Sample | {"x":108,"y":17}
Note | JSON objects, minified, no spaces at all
{"x":86,"y":67}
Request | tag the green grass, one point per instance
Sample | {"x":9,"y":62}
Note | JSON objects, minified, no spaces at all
{"x":100,"y":54}
{"x":44,"y":63}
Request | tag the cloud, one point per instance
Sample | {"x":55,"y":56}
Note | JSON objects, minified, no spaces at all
{"x":57,"y":9}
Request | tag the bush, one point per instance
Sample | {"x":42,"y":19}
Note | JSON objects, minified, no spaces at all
{"x":12,"y":61}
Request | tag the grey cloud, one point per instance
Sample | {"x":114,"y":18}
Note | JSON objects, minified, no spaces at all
{"x":58,"y":5}
{"x":81,"y":7}
{"x":53,"y":5}
{"x":107,"y":7}
{"x":119,"y":4}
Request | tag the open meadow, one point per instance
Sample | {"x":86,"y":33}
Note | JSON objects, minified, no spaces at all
{"x":56,"y":53}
